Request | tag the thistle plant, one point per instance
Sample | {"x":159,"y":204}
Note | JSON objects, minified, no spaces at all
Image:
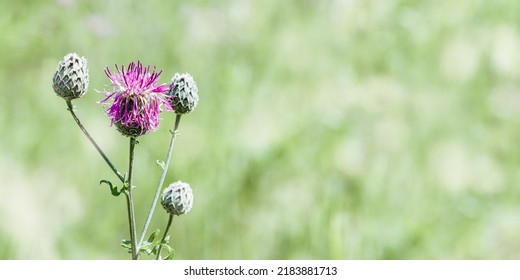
{"x":133,"y":105}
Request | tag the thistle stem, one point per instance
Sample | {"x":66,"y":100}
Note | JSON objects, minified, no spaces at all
{"x":71,"y":110}
{"x":130,"y":201}
{"x":164,"y":236}
{"x":161,"y":181}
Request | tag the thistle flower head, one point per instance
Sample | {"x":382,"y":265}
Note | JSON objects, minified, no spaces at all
{"x":183,"y":93}
{"x":70,"y":80}
{"x":136,"y":99}
{"x":177,"y":198}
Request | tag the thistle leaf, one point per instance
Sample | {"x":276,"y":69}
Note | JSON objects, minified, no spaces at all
{"x":113,"y":189}
{"x":153,"y":235}
{"x":126,"y":244}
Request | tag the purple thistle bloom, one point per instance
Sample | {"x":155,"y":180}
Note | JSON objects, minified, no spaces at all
{"x":137,"y":99}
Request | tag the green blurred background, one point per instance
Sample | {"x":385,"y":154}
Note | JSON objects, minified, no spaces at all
{"x":359,"y":129}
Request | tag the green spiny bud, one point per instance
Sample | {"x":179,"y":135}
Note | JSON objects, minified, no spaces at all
{"x":183,"y":93}
{"x":71,"y":78}
{"x":177,"y":198}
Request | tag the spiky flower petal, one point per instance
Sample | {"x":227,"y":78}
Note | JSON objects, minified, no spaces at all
{"x":183,"y":94}
{"x":177,"y":198}
{"x":136,"y":99}
{"x":71,"y":78}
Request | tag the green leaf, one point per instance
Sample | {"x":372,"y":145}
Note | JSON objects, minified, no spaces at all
{"x":151,"y":246}
{"x":171,"y":252}
{"x":154,"y":250}
{"x":113,"y":189}
{"x":153,"y":235}
{"x":166,"y":239}
{"x":147,"y":247}
{"x":127,"y":244}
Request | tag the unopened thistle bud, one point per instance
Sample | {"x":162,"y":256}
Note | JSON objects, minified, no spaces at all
{"x":71,"y":78}
{"x":183,"y":94}
{"x":177,"y":198}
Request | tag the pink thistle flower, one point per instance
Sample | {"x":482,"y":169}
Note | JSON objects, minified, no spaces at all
{"x":137,"y":99}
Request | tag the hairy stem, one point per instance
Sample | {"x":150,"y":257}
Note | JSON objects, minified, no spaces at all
{"x":164,"y":236}
{"x":71,"y":110}
{"x":130,"y":201}
{"x":161,"y":181}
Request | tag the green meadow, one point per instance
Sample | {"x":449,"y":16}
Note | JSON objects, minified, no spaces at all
{"x":358,"y":129}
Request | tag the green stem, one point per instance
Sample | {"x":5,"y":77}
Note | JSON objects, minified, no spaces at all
{"x":164,"y":236}
{"x":71,"y":110}
{"x":130,"y":200}
{"x":161,"y":181}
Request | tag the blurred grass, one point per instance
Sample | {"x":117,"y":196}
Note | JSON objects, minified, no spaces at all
{"x":325,"y":129}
